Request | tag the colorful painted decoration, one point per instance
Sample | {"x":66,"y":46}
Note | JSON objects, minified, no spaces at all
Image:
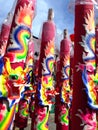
{"x":21,"y":31}
{"x":14,"y":72}
{"x":84,"y":98}
{"x":6,"y":114}
{"x":91,"y":89}
{"x":64,"y":86}
{"x":21,"y":116}
{"x":45,"y":70}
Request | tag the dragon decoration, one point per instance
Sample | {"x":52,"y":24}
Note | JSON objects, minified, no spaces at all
{"x":89,"y":77}
{"x":45,"y":87}
{"x":65,"y":89}
{"x":42,"y":118}
{"x":13,"y":71}
{"x":12,"y":85}
{"x":21,"y":34}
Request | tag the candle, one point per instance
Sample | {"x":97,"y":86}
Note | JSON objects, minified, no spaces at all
{"x":45,"y":83}
{"x":84,"y":65}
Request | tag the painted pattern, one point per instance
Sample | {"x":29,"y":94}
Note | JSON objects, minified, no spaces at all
{"x":65,"y":87}
{"x":21,"y":34}
{"x":87,"y":70}
{"x":6,"y":117}
{"x":13,"y":76}
{"x":45,"y":87}
{"x":42,"y":119}
{"x":88,"y":120}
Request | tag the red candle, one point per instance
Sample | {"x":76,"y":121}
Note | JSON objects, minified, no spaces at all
{"x":5,"y":31}
{"x":57,"y":99}
{"x":96,"y":47}
{"x":64,"y":91}
{"x":96,"y":58}
{"x":45,"y":83}
{"x":20,"y":32}
{"x":83,"y":115}
{"x":21,"y":117}
{"x":35,"y":79}
{"x":19,"y":38}
{"x":14,"y":70}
